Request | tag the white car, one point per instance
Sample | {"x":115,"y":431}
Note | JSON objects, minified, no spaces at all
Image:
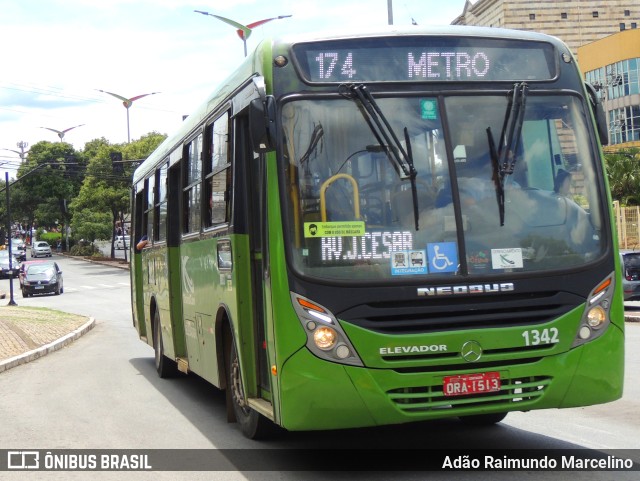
{"x":40,"y":249}
{"x":121,"y":241}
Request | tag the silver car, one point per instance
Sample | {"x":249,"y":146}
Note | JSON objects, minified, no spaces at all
{"x":630,"y":264}
{"x":40,"y":249}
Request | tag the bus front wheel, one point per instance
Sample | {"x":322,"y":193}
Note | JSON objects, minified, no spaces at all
{"x":164,"y":366}
{"x":252,"y":424}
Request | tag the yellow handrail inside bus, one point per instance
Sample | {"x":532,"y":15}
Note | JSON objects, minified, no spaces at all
{"x":325,"y":186}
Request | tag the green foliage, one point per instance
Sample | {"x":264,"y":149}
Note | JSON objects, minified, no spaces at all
{"x":623,"y":172}
{"x":51,"y":238}
{"x":91,"y":225}
{"x":84,"y":249}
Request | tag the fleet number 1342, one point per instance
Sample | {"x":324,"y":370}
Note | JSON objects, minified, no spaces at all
{"x":535,"y":337}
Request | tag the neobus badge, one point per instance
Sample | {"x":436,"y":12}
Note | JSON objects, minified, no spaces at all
{"x":466,"y":289}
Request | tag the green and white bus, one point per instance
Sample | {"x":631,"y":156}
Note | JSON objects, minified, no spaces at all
{"x":381,"y":228}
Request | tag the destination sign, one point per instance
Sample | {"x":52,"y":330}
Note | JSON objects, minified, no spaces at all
{"x":424,"y":59}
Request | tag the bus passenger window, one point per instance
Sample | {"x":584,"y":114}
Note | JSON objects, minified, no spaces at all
{"x":218,"y":173}
{"x":192,"y":180}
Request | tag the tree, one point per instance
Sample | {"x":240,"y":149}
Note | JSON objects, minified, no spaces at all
{"x":623,"y":172}
{"x":91,"y":225}
{"x":46,"y":185}
{"x":106,"y":191}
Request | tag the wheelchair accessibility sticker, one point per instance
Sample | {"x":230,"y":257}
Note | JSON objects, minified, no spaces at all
{"x":443,"y":257}
{"x":408,"y":263}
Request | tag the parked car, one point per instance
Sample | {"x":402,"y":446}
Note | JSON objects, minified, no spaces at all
{"x":42,"y":278}
{"x":40,"y":249}
{"x":630,"y":265}
{"x":5,"y":270}
{"x":122,"y":241}
{"x":23,"y":267}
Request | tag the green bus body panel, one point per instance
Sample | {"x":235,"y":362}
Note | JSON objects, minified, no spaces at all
{"x":155,"y":287}
{"x":318,"y":395}
{"x":498,"y":344}
{"x":175,"y":305}
{"x":206,"y":290}
{"x":137,"y":292}
{"x":191,"y":293}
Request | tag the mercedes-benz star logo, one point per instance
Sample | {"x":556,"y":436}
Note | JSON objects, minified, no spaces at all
{"x":471,"y":351}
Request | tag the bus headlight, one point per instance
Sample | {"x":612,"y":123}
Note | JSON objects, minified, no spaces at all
{"x":325,"y":337}
{"x":596,"y":316}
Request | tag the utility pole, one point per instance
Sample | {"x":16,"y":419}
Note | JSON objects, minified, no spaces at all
{"x":390,"y":11}
{"x":12,"y":302}
{"x":22,"y":145}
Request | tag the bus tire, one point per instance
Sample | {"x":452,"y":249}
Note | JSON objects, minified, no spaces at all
{"x":252,"y":424}
{"x":164,"y":366}
{"x":483,"y":419}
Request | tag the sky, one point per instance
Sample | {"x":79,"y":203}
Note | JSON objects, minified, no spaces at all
{"x":57,"y":56}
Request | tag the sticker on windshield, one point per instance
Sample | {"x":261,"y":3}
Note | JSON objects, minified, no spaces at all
{"x":409,"y":263}
{"x":429,"y":109}
{"x":478,"y":259}
{"x":443,"y":257}
{"x":506,"y":258}
{"x":334,"y":229}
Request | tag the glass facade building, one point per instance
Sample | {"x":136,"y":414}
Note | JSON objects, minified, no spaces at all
{"x":612,"y":66}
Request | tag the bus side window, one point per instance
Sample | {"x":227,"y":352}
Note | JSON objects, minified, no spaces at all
{"x":192,"y":177}
{"x":160,"y":211}
{"x":218,"y":172}
{"x":148,"y":207}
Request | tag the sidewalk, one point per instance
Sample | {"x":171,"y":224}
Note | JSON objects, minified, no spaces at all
{"x":27,"y":333}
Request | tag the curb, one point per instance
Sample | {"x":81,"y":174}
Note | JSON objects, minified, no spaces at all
{"x":119,"y":264}
{"x":47,"y":348}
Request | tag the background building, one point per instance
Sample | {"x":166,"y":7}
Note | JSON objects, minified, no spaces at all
{"x":603,"y":34}
{"x":574,"y":22}
{"x":612,"y":65}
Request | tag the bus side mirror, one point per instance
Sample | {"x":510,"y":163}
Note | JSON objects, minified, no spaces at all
{"x":262,"y":114}
{"x":598,"y":113}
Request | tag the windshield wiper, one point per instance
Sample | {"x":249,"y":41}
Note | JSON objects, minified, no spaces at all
{"x":401,"y":159}
{"x":503,"y":160}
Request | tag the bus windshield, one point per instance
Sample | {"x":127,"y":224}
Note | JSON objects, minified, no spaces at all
{"x":351,"y":210}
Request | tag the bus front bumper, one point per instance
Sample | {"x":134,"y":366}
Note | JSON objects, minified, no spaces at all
{"x":317,"y":394}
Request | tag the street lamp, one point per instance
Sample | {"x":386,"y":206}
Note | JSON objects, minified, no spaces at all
{"x":62,"y":132}
{"x":22,"y":152}
{"x":127,"y":103}
{"x":244,"y":31}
